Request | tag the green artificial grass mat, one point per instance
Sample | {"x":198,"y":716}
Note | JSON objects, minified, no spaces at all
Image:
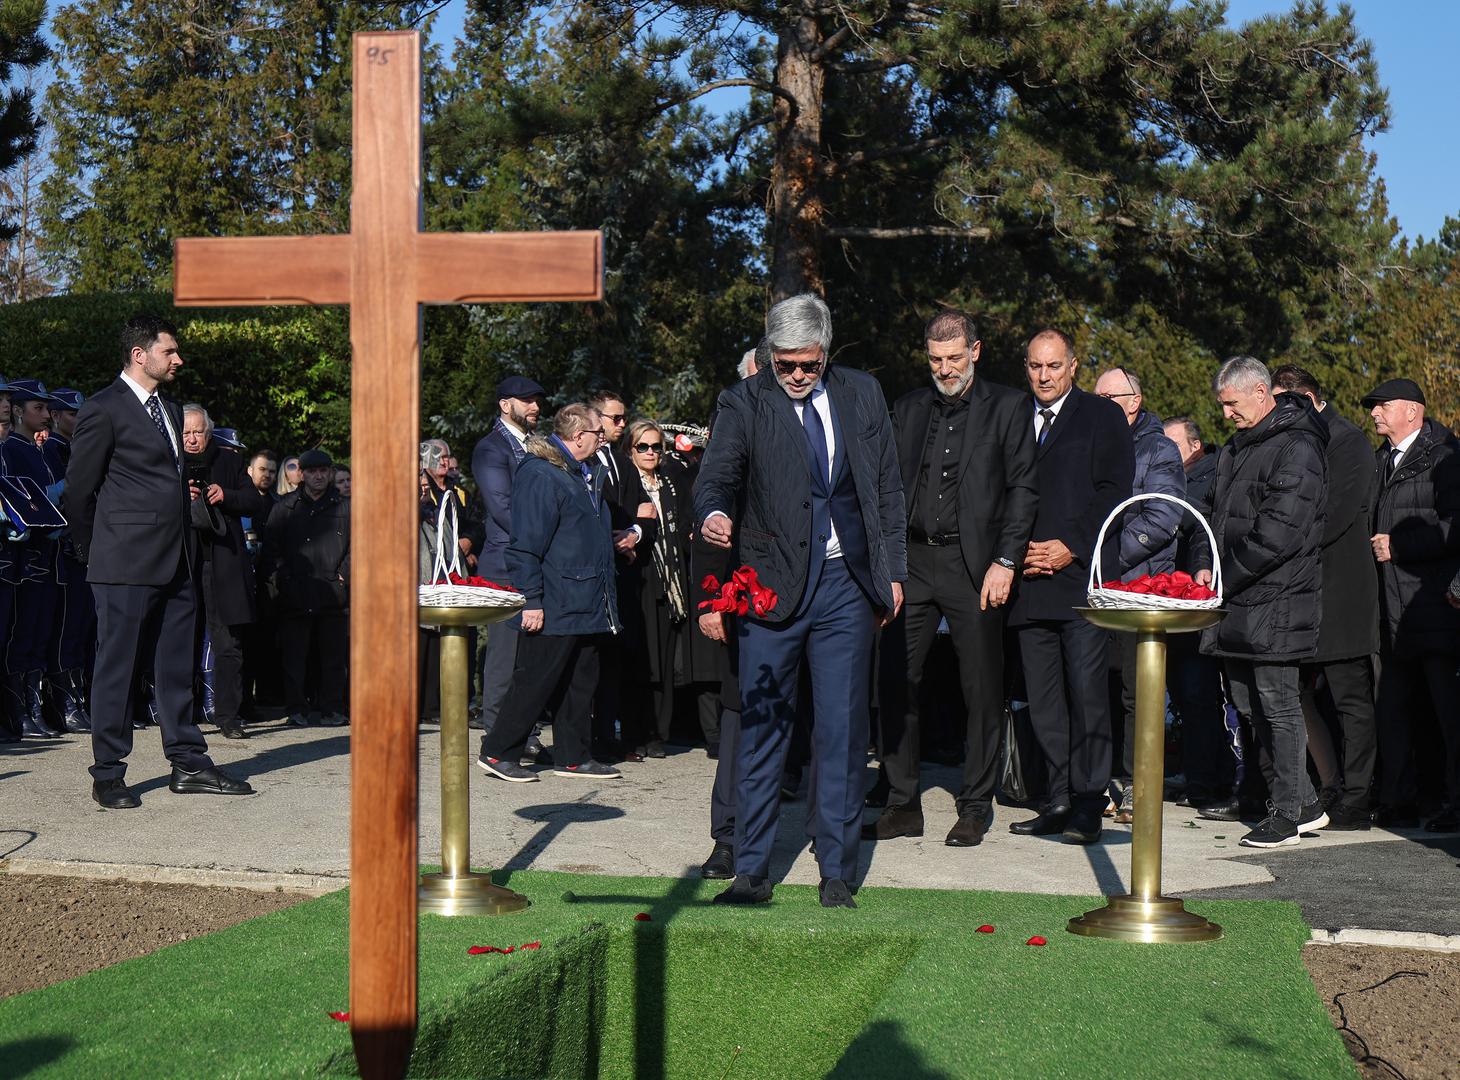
{"x":902,"y":987}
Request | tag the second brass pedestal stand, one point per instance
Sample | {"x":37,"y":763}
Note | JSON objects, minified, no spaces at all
{"x":1144,"y":914}
{"x":457,"y":890}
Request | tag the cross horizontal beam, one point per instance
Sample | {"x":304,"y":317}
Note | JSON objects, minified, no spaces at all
{"x":451,"y":268}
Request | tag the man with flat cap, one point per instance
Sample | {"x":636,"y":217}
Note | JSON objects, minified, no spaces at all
{"x":130,"y":509}
{"x":1416,"y":545}
{"x":494,"y":463}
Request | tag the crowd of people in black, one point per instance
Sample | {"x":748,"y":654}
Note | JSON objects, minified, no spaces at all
{"x":1327,"y":697}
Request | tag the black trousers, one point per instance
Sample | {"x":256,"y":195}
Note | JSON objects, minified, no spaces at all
{"x":1403,"y":678}
{"x":544,"y":663}
{"x":1195,"y":684}
{"x":227,"y":658}
{"x":939,"y":587}
{"x":74,"y":636}
{"x":132,"y":621}
{"x":499,"y":658}
{"x":1351,"y":686}
{"x":327,"y":633}
{"x":32,"y":626}
{"x":1069,"y":707}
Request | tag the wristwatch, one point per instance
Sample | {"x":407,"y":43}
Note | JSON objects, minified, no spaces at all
{"x":1007,"y":564}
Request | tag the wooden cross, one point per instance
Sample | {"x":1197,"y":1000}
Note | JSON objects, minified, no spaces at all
{"x":385,"y":268}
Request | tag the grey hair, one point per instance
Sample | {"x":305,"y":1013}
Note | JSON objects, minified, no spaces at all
{"x":193,"y":406}
{"x":1246,"y":371}
{"x":799,"y":323}
{"x":742,"y":369}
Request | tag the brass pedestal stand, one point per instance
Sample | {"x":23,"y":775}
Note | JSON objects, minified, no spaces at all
{"x":1144,"y":914}
{"x":457,"y":890}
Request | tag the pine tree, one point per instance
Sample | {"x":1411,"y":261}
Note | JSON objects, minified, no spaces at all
{"x":22,"y":50}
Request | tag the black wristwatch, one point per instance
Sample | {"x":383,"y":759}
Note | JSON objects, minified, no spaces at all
{"x":1007,"y":564}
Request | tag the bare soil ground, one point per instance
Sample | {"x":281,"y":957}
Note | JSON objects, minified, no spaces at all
{"x":1397,"y":1009}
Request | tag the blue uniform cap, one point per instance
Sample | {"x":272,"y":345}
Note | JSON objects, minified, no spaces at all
{"x":29,"y":390}
{"x":68,"y":399}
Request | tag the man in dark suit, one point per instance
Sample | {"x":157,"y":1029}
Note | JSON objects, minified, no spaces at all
{"x":1086,"y":467}
{"x":494,"y":462}
{"x":129,"y":507}
{"x":967,"y":455}
{"x":810,"y":449}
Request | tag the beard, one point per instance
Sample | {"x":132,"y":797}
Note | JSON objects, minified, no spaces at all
{"x":957,"y":387}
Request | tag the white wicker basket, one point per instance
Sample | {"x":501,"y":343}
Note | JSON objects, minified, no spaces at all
{"x":445,"y":594}
{"x":1112,"y":598}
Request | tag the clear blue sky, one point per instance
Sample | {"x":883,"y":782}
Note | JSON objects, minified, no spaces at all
{"x":1415,"y":42}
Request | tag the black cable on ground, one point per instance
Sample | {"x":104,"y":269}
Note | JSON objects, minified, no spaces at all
{"x":1343,"y":1025}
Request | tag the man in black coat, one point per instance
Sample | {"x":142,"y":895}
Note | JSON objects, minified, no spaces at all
{"x":966,"y":452}
{"x":129,"y":507}
{"x":809,"y":447}
{"x":307,"y":559}
{"x":229,"y":603}
{"x":1267,"y":515}
{"x":1193,"y":679}
{"x":1416,"y":543}
{"x":1086,"y":464}
{"x":1348,"y":634}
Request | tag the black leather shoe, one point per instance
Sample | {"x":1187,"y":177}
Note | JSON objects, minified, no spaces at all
{"x":1346,"y":818}
{"x":212,"y":781}
{"x":970,"y":830}
{"x":655,"y":749}
{"x":1444,"y":821}
{"x":233,"y":731}
{"x":720,"y":866}
{"x":1083,"y":827}
{"x":895,"y":821}
{"x":1221,"y":810}
{"x":879,"y":793}
{"x":1049,"y":822}
{"x":746,"y":889}
{"x":834,"y":893}
{"x":114,"y":795}
{"x":1397,"y":817}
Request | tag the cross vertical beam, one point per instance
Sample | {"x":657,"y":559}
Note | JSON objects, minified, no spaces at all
{"x":385,"y":334}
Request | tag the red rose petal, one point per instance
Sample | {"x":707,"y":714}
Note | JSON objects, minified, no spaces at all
{"x":340,"y":1016}
{"x":1036,"y":940}
{"x":478,"y":950}
{"x":985,"y":929}
{"x":642,"y":916}
{"x":532,"y":945}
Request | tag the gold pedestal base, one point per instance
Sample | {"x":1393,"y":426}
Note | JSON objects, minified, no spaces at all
{"x":466,"y":894}
{"x":1129,"y":918}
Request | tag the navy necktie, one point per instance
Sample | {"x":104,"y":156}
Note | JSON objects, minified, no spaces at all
{"x":1047,"y":415}
{"x":816,"y":436}
{"x":154,"y":410}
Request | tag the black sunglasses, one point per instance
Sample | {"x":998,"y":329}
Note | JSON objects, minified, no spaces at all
{"x":649,"y":447}
{"x":806,"y":367}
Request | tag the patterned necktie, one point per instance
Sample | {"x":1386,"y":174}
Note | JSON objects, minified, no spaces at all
{"x":154,"y":410}
{"x":816,"y":436}
{"x":1047,"y":415}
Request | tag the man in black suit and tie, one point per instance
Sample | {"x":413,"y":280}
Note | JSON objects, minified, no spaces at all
{"x":809,"y":449}
{"x":1086,"y":461}
{"x":967,"y":455}
{"x":129,"y":507}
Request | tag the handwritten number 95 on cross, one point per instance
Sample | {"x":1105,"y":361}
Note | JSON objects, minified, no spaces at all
{"x":376,"y":55}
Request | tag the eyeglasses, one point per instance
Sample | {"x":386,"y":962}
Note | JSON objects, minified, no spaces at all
{"x":806,"y":367}
{"x":1132,"y":392}
{"x":649,"y":447}
{"x":615,"y":420}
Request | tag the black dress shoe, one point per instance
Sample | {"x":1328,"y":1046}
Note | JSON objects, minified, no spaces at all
{"x":712,"y":751}
{"x":746,"y":889}
{"x":879,"y":793}
{"x":1444,"y":821}
{"x":1346,"y":818}
{"x":834,"y":893}
{"x":212,"y":781}
{"x":720,"y":866}
{"x":1051,"y":821}
{"x":1083,"y":827}
{"x":895,"y":821}
{"x":970,"y":830}
{"x":1221,"y":810}
{"x":233,"y":731}
{"x":655,"y":749}
{"x":114,"y":795}
{"x":1397,"y":817}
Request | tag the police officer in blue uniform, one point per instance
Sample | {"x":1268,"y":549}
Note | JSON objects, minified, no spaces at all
{"x":73,"y":638}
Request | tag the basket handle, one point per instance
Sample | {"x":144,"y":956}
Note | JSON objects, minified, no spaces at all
{"x":1096,"y":575}
{"x":441,"y":566}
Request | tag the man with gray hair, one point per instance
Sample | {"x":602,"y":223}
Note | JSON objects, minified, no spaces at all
{"x":807,"y":449}
{"x":1267,"y":513}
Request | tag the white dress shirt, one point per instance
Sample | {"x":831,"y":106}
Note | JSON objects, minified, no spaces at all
{"x":1054,"y":407}
{"x":142,"y":395}
{"x":1402,"y":447}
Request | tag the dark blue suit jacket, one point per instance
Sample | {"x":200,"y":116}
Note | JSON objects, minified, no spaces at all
{"x":758,"y":456}
{"x":1086,"y":464}
{"x":494,"y":463}
{"x":125,"y":499}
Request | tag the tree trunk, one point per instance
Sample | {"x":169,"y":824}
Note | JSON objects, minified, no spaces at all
{"x":796,"y":208}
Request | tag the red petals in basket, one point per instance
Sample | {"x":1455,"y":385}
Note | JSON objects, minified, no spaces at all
{"x":740,"y":595}
{"x":474,"y":581}
{"x":1176,"y":586}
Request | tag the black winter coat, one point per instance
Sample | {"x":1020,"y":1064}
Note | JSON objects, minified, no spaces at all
{"x":1420,"y":510}
{"x":226,"y":557}
{"x":1200,"y":475}
{"x":1350,"y":625}
{"x":307,"y":552}
{"x":1267,"y":514}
